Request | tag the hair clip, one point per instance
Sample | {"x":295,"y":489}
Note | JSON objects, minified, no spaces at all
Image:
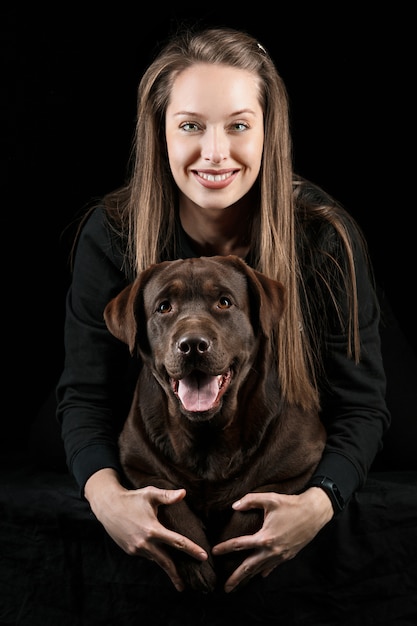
{"x":261,"y":48}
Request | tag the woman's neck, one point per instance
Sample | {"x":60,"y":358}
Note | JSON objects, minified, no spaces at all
{"x":217,"y":231}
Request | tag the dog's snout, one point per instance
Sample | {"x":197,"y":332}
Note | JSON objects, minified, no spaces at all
{"x":193,"y":345}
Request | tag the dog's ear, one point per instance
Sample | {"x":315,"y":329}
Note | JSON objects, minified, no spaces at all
{"x":267,"y":297}
{"x":119,"y":315}
{"x":272,"y":298}
{"x":125,"y":314}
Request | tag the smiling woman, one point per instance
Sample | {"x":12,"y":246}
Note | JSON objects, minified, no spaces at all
{"x":213,"y":130}
{"x":219,"y":140}
{"x":215,"y":148}
{"x":212,"y":174}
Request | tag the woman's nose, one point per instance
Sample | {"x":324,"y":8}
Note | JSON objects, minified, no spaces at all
{"x":215,"y":145}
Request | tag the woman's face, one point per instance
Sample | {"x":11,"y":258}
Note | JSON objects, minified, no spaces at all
{"x":215,"y":133}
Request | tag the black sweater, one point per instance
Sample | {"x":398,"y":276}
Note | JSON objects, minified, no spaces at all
{"x":96,"y":386}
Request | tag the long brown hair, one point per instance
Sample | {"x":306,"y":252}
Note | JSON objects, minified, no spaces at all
{"x":145,"y":210}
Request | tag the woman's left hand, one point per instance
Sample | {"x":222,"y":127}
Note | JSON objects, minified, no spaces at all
{"x":290,"y":523}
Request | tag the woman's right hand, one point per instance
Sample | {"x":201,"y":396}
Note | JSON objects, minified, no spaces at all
{"x":130,"y":517}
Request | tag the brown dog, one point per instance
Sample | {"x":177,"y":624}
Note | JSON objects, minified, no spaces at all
{"x":207,"y":413}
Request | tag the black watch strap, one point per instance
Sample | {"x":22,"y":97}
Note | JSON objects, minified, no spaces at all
{"x":332,"y":491}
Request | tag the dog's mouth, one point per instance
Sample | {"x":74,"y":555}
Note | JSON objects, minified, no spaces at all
{"x":200,"y":392}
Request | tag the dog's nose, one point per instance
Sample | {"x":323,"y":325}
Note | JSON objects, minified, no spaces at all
{"x":190,"y":345}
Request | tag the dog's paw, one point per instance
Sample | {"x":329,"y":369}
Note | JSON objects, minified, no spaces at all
{"x":240,"y":524}
{"x":198,"y":575}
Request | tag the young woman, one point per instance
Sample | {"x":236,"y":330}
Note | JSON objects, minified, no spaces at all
{"x":212,"y":174}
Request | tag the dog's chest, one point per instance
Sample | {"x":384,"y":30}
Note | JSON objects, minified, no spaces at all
{"x":208,"y":455}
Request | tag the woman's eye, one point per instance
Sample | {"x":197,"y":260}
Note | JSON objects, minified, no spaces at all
{"x":164,"y":307}
{"x":239,"y":126}
{"x":224,"y":302}
{"x":189,"y":126}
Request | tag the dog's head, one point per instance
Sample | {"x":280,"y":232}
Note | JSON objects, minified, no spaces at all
{"x":198,"y":323}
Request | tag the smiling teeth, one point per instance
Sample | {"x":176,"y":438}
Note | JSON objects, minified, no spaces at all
{"x":215,"y":177}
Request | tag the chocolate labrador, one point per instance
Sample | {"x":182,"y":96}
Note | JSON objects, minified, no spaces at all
{"x":207,"y":413}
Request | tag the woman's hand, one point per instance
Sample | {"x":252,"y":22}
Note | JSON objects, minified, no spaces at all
{"x":290,"y":523}
{"x":130,"y":518}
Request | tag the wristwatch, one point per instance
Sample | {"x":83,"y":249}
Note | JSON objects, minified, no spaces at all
{"x":332,"y":491}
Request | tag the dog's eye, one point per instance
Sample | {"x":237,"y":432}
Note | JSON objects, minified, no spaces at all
{"x":224,"y":302}
{"x":164,"y":307}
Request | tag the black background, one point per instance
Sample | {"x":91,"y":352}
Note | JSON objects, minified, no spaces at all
{"x":68,"y":103}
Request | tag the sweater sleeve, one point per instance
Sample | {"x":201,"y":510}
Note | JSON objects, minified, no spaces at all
{"x":354,"y":410}
{"x":96,"y":385}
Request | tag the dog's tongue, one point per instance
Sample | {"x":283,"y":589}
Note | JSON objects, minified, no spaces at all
{"x":198,"y":391}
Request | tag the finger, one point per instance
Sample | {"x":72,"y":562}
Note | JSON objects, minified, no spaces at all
{"x":162,"y":559}
{"x":245,"y":571}
{"x":180,"y":542}
{"x":252,"y":501}
{"x":166,"y":496}
{"x":248,"y":569}
{"x":237,"y":544}
{"x":267,"y":571}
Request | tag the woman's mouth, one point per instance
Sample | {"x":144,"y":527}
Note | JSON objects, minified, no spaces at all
{"x":213,"y":180}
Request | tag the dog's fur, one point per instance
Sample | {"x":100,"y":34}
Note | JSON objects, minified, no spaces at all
{"x":207,"y":413}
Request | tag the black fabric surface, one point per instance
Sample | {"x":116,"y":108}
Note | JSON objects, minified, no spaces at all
{"x":58,"y":566}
